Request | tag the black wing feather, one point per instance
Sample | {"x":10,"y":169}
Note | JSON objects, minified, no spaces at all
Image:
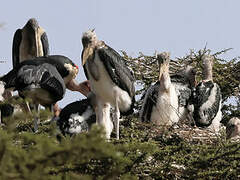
{"x":75,"y":107}
{"x":150,"y":100}
{"x":16,"y":48}
{"x":117,"y":69}
{"x":52,"y":81}
{"x":202,"y":94}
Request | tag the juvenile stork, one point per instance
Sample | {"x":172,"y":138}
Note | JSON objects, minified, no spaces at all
{"x":29,"y":42}
{"x":110,"y":80}
{"x":42,"y":79}
{"x":77,"y":116}
{"x":168,"y":100}
{"x":207,"y":100}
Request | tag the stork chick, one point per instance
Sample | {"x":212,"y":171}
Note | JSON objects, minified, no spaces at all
{"x":207,"y":100}
{"x":166,"y":102}
{"x":78,"y":116}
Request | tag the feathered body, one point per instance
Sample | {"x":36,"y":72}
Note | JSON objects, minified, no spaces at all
{"x":65,"y":67}
{"x":76,"y":117}
{"x":207,"y":99}
{"x":110,"y":80}
{"x":168,"y":100}
{"x":42,"y":79}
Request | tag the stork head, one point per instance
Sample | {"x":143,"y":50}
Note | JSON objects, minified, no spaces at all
{"x":32,"y":24}
{"x":233,"y":127}
{"x":89,"y":37}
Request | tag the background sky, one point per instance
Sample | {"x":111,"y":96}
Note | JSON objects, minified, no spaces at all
{"x":130,"y":25}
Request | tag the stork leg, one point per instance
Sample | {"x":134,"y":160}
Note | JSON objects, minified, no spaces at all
{"x":116,"y":117}
{"x":99,"y":113}
{"x":103,"y":118}
{"x":107,"y":120}
{"x":36,"y":117}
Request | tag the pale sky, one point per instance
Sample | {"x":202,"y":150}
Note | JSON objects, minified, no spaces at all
{"x":130,"y":25}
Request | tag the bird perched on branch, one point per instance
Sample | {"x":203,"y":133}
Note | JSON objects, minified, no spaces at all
{"x":207,"y":100}
{"x":110,"y":80}
{"x":42,"y":79}
{"x":168,"y":100}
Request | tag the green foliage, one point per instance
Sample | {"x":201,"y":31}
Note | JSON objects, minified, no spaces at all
{"x":143,"y":151}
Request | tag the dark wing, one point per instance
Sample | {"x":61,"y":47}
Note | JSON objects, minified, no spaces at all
{"x":52,"y":81}
{"x":75,"y":107}
{"x":9,"y":79}
{"x":183,"y":89}
{"x":45,"y":45}
{"x":150,"y":100}
{"x":16,"y":47}
{"x":206,"y":93}
{"x":117,"y":69}
{"x":45,"y":76}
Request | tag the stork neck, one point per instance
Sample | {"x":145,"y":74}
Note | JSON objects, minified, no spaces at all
{"x":207,"y":72}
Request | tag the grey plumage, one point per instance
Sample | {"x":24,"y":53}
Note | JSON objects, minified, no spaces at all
{"x":204,"y":116}
{"x":40,"y":82}
{"x":208,"y":98}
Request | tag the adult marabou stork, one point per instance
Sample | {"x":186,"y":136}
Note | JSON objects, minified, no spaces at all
{"x":77,"y":116}
{"x":168,"y":100}
{"x":29,"y":42}
{"x":110,"y":80}
{"x":207,"y":100}
{"x":42,"y":79}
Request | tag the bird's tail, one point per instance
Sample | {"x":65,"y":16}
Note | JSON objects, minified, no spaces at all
{"x":9,"y":79}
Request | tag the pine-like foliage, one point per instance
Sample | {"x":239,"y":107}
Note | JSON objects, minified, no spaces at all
{"x":143,"y":151}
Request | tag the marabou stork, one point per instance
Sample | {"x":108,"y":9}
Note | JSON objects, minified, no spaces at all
{"x":207,"y":100}
{"x":29,"y":42}
{"x":42,"y":79}
{"x":168,"y":100}
{"x":110,"y":80}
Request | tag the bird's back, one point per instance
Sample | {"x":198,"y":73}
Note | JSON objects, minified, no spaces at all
{"x":76,"y":117}
{"x":207,"y":103}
